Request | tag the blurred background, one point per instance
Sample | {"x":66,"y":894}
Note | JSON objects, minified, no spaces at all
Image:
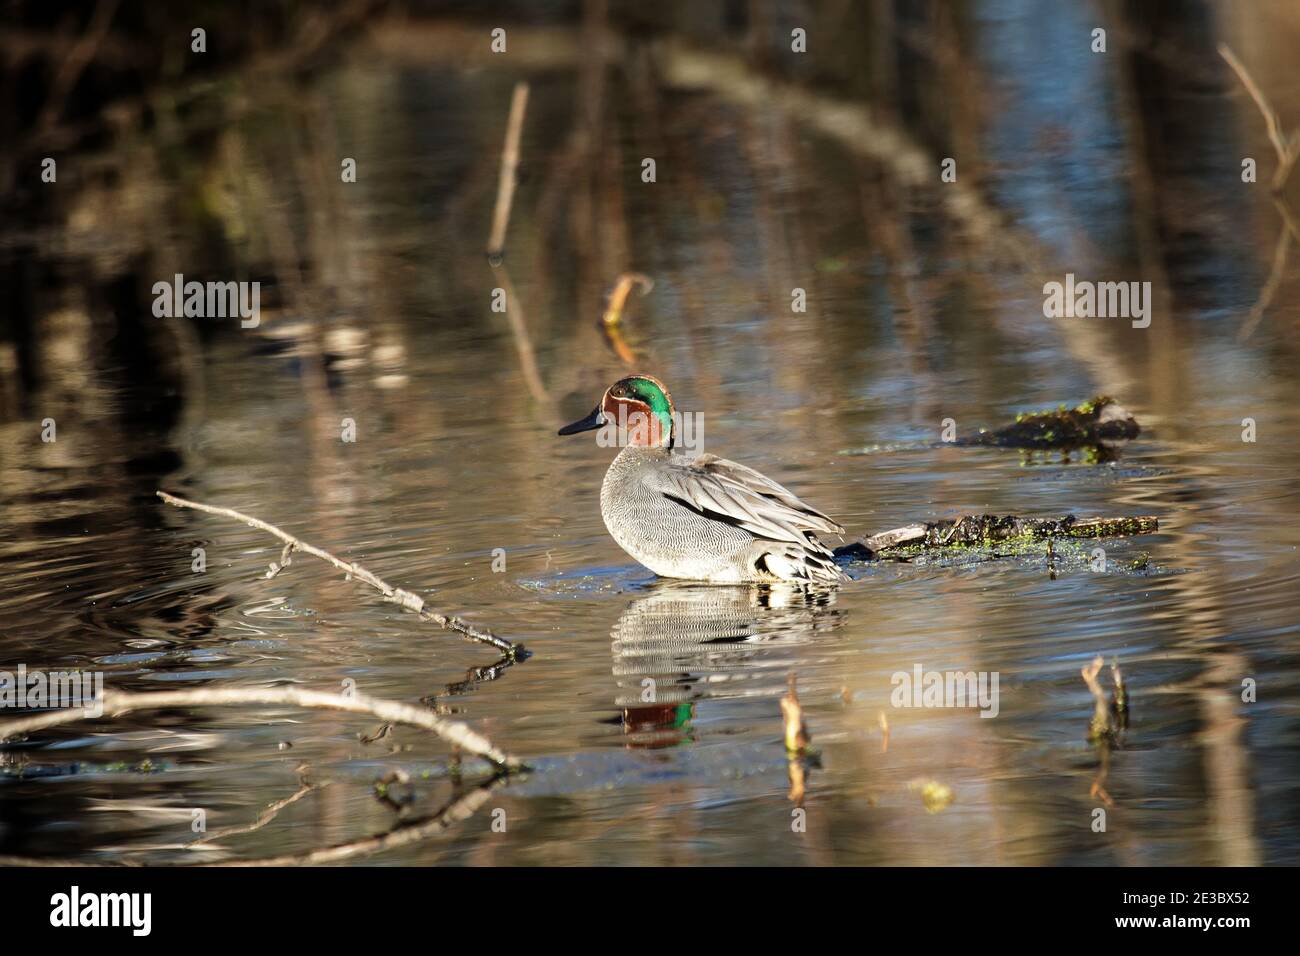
{"x":774,"y":171}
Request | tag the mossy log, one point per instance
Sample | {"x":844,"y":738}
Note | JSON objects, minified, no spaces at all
{"x":1095,"y":422}
{"x":979,"y":530}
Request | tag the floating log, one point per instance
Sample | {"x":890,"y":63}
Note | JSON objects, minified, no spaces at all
{"x":1095,"y":422}
{"x":977,"y":530}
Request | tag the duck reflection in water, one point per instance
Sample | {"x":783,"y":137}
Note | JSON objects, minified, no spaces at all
{"x":683,"y":643}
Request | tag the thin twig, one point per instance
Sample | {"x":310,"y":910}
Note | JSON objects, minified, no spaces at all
{"x":263,"y":818}
{"x":509,"y":167}
{"x":1270,"y":116}
{"x":1281,"y":252}
{"x":116,"y":702}
{"x":403,"y":598}
{"x":1287,"y":149}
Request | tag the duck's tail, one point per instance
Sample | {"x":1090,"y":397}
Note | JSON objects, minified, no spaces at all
{"x":793,"y":562}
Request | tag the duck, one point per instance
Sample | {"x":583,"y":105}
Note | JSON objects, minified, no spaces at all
{"x":699,"y":517}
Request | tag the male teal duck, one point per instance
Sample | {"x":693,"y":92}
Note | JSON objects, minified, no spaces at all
{"x":699,"y":517}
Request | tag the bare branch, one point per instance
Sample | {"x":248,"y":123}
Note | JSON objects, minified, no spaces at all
{"x":117,"y":703}
{"x":406,"y":599}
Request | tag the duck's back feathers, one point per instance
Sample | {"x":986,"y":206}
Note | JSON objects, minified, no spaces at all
{"x":722,"y":490}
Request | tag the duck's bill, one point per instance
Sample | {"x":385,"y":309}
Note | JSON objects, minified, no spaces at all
{"x":594,"y":420}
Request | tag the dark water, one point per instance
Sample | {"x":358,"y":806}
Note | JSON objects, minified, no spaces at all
{"x":916,"y":313}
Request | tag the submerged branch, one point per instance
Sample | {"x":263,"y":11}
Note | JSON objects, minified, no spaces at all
{"x":1108,"y":723}
{"x":613,"y":316}
{"x":116,"y":703}
{"x":618,"y":297}
{"x":797,"y":737}
{"x":1109,"y":719}
{"x":1100,"y":726}
{"x":797,"y":742}
{"x":461,"y":808}
{"x":263,"y":818}
{"x":405,"y":599}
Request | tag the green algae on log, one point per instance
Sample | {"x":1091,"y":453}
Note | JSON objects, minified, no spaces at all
{"x":977,"y":530}
{"x":1100,"y":420}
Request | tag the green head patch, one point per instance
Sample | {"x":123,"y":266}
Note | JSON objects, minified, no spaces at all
{"x":645,"y":394}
